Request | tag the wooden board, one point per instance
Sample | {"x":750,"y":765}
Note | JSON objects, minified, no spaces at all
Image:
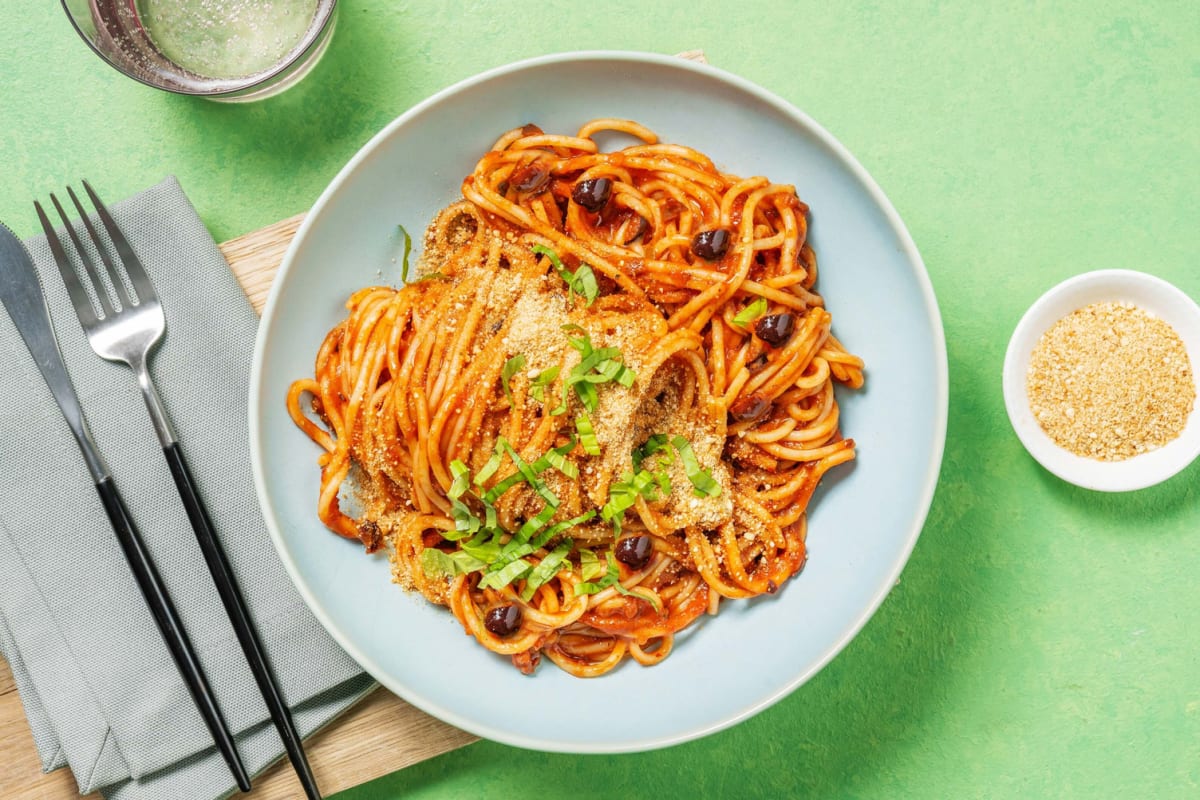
{"x":380,"y":735}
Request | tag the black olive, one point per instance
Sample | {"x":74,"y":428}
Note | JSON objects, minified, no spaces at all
{"x":775,"y":329}
{"x":711,"y":245}
{"x":634,"y":551}
{"x":749,"y":408}
{"x":592,"y":194}
{"x":531,"y":178}
{"x":642,"y":229}
{"x":368,"y":533}
{"x":503,"y":620}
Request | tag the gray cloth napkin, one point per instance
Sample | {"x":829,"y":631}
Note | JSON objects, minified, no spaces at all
{"x":98,"y":685}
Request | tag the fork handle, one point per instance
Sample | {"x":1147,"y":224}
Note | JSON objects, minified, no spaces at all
{"x":235,"y":608}
{"x":170,"y":626}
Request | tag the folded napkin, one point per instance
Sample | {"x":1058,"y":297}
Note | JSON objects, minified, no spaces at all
{"x":101,"y":692}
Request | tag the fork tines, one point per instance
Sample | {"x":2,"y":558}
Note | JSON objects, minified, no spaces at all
{"x":129,"y":288}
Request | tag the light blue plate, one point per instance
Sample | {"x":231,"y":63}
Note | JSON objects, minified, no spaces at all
{"x":864,"y":520}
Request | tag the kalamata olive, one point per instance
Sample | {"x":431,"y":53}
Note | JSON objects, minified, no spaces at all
{"x":711,"y":245}
{"x":643,"y":227}
{"x":531,"y":178}
{"x":634,"y":551}
{"x":758,"y":363}
{"x":749,"y":408}
{"x":503,"y":620}
{"x":592,"y":194}
{"x":775,"y":329}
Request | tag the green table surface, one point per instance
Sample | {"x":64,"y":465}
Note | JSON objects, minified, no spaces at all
{"x":1043,"y":639}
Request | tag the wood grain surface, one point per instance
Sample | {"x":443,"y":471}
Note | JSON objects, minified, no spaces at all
{"x":379,"y":735}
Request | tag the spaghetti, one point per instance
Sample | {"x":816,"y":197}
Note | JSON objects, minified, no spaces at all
{"x":603,"y":407}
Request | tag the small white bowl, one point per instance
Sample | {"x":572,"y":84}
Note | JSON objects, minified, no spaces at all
{"x":1152,"y":294}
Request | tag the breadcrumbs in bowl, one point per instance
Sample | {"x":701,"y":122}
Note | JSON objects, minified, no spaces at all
{"x":1100,"y":380}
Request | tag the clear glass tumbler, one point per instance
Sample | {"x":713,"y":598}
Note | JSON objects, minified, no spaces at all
{"x":229,"y":50}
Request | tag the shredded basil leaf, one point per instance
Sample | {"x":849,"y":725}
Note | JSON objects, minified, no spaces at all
{"x":436,"y":563}
{"x":510,"y":368}
{"x":588,"y":395}
{"x":584,"y":283}
{"x":581,"y":282}
{"x":484,"y":546}
{"x":703,"y":483}
{"x":493,"y":494}
{"x":461,"y":479}
{"x":558,"y":527}
{"x":657,"y":444}
{"x":587,"y":434}
{"x":527,"y":472}
{"x":595,"y":587}
{"x":505,"y":575}
{"x":757,"y":307}
{"x":547,"y":569}
{"x":589,"y":565}
{"x":536,"y":523}
{"x":561,"y":408}
{"x":557,"y":458}
{"x":510,"y":553}
{"x":623,"y":495}
{"x":537,"y":386}
{"x":490,"y":466}
{"x":407,"y":250}
{"x":612,"y":577}
{"x":466,"y":523}
{"x":639,"y":595}
{"x":595,"y":367}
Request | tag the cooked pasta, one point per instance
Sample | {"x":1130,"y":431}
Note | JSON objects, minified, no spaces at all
{"x":601,"y":409}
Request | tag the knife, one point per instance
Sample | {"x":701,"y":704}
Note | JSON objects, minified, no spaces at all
{"x":21,"y":295}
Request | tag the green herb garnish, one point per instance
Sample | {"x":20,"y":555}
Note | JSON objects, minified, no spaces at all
{"x":435,"y":562}
{"x":546,"y":570}
{"x":582,"y":281}
{"x":589,"y":565}
{"x":505,"y":575}
{"x":489,"y":467}
{"x":557,"y":458}
{"x":587,"y":434}
{"x":757,"y":307}
{"x":537,"y":386}
{"x":558,"y":527}
{"x":465,"y":521}
{"x":535,"y":523}
{"x":610,"y":577}
{"x":623,"y":495}
{"x":703,"y":483}
{"x":658,"y":444}
{"x":407,"y":250}
{"x":510,"y":368}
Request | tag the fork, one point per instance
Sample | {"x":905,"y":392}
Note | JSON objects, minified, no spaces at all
{"x":127,"y":331}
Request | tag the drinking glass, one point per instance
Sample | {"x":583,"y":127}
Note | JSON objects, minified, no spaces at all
{"x":229,"y":50}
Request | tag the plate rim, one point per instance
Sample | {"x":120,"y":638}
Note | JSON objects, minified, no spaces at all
{"x":908,"y":248}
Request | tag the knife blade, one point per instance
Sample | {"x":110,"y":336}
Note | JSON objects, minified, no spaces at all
{"x":22,"y":296}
